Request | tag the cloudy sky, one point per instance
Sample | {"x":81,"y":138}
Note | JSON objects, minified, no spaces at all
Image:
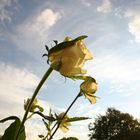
{"x":113,"y":30}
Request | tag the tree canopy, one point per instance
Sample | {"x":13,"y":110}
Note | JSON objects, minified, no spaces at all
{"x":114,"y":125}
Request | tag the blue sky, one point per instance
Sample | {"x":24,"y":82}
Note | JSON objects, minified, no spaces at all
{"x":113,"y":30}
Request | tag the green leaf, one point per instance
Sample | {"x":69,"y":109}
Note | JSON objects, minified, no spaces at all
{"x":65,"y":44}
{"x":77,"y":119}
{"x":46,"y":124}
{"x":80,"y":37}
{"x":9,"y":118}
{"x":11,"y":132}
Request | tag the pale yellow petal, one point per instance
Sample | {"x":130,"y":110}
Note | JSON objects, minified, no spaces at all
{"x":87,"y":53}
{"x":64,"y":128}
{"x":68,"y":38}
{"x":92,"y":99}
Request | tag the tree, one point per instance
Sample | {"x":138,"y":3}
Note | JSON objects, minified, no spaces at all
{"x":114,"y":125}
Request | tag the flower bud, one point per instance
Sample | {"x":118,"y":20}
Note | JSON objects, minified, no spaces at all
{"x":88,"y":88}
{"x":34,"y":105}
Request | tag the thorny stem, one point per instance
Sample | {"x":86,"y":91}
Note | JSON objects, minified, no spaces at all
{"x":79,"y":94}
{"x":46,"y":75}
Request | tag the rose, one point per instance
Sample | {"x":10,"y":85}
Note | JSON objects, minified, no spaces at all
{"x":88,"y":88}
{"x":64,"y":123}
{"x":69,"y":56}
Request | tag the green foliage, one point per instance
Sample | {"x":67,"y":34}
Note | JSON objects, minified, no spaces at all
{"x":12,"y":130}
{"x":115,"y":125}
{"x":70,"y":138}
{"x":74,"y":119}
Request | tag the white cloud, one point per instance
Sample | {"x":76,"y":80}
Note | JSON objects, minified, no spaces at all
{"x":134,"y":27}
{"x":40,"y":23}
{"x":89,"y":110}
{"x":15,"y":86}
{"x":105,"y":7}
{"x":114,"y":67}
{"x":130,"y":13}
{"x":5,"y":14}
{"x":133,"y":17}
{"x":119,"y":12}
{"x":86,"y":3}
{"x":117,"y":73}
{"x":32,"y":34}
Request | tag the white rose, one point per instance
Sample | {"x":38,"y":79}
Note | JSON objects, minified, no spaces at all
{"x":70,"y":57}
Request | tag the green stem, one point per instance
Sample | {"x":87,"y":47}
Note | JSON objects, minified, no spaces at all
{"x":51,"y":131}
{"x":46,"y":75}
{"x":79,"y":94}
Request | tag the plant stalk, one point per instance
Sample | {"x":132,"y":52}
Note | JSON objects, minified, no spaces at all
{"x":46,"y":75}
